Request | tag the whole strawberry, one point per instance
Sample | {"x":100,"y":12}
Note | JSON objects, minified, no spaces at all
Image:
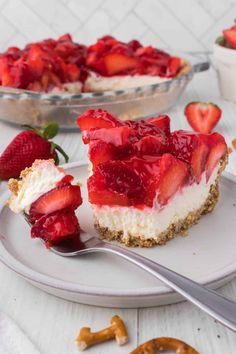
{"x":26,"y":147}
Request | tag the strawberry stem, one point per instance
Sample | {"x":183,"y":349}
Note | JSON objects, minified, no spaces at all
{"x":49,"y":131}
{"x":56,"y":147}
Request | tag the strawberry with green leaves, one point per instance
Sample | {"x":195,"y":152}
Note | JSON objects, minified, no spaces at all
{"x":26,"y":147}
{"x":228,"y":39}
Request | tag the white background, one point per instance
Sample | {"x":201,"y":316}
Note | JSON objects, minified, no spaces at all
{"x":190,"y":25}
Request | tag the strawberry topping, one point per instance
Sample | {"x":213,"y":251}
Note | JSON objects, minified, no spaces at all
{"x":100,"y":151}
{"x":141,"y":163}
{"x":116,"y":63}
{"x":217,"y":151}
{"x":117,"y":136}
{"x":173,"y":175}
{"x":109,"y":57}
{"x":191,"y":148}
{"x":94,"y":119}
{"x":44,"y":65}
{"x":52,"y":63}
{"x":162,"y":122}
{"x":118,"y":179}
{"x":56,"y":227}
{"x":62,"y":197}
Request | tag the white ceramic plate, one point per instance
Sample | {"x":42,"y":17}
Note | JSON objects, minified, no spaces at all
{"x":207,"y":255}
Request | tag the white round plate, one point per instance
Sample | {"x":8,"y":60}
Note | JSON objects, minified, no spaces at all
{"x":207,"y":255}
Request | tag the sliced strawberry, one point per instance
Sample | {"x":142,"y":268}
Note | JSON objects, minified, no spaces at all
{"x":174,"y":66}
{"x":67,"y":179}
{"x":173,"y":175}
{"x":107,"y":198}
{"x":192,"y":148}
{"x":117,"y":136}
{"x":118,"y":178}
{"x":148,"y":138}
{"x":23,"y":75}
{"x":100,"y":152}
{"x":73,"y":72}
{"x":148,"y":169}
{"x":97,"y":118}
{"x":134,"y":44}
{"x":36,"y":59}
{"x":218,"y":149}
{"x":202,"y":117}
{"x":65,"y":196}
{"x":7,"y":77}
{"x":162,"y":122}
{"x":56,"y":227}
{"x":198,"y":161}
{"x":65,"y":37}
{"x":230,"y":36}
{"x":145,"y":128}
{"x":151,"y":145}
{"x":116,"y":63}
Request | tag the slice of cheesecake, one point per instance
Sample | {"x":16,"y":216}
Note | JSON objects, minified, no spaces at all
{"x":147,"y":183}
{"x":47,"y":198}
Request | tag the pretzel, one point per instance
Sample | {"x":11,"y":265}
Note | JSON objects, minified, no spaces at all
{"x":117,"y":330}
{"x":164,"y":343}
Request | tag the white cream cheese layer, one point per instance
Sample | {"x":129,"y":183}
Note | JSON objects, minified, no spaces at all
{"x":100,"y":83}
{"x":70,"y":87}
{"x":41,"y":178}
{"x":150,"y":222}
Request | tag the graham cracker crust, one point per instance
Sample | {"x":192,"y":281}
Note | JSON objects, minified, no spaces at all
{"x":174,"y":229}
{"x":184,"y":68}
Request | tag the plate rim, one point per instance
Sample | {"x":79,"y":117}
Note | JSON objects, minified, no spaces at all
{"x":49,"y":281}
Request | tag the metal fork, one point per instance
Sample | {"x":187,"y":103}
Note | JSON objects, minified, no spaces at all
{"x":216,"y":305}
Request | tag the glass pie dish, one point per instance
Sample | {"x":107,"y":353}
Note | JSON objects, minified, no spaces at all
{"x":19,"y":106}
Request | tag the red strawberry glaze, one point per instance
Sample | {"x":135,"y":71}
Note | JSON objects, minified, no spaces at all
{"x":109,"y":57}
{"x":51,"y":63}
{"x":118,"y":179}
{"x":56,"y":227}
{"x":62,"y":197}
{"x":141,"y":163}
{"x":198,"y":150}
{"x":137,"y":181}
{"x":67,"y":179}
{"x":44,"y":65}
{"x":218,"y":149}
{"x":162,"y":122}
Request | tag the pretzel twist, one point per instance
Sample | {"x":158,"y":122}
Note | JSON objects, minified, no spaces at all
{"x":117,"y":331}
{"x":164,"y":343}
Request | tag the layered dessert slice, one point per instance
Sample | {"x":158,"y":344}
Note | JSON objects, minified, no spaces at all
{"x":48,"y":199}
{"x":147,"y":183}
{"x":115,"y":65}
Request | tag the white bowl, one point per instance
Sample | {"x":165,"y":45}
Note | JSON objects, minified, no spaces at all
{"x":225,"y":62}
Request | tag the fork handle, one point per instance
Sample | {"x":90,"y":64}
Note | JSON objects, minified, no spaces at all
{"x":216,"y":305}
